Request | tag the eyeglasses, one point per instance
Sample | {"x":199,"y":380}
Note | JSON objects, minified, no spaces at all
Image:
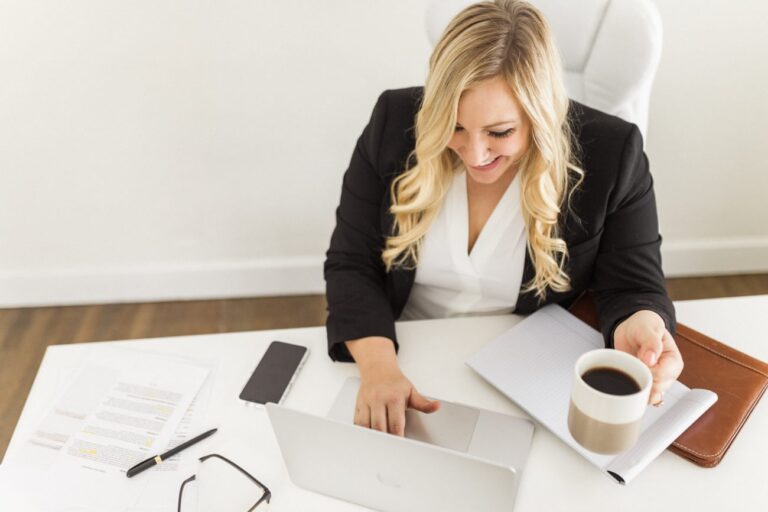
{"x":222,"y":485}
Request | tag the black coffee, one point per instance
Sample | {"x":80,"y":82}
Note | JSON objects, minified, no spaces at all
{"x":611,"y":381}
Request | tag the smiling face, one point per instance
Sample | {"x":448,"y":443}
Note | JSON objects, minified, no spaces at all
{"x":492,"y":132}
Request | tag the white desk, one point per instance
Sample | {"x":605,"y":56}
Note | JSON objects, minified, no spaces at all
{"x":432,"y":356}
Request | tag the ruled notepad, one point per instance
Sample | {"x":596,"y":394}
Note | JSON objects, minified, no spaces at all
{"x":532,"y":364}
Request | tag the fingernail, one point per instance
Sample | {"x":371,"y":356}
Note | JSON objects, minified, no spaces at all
{"x":650,"y":358}
{"x":656,"y":398}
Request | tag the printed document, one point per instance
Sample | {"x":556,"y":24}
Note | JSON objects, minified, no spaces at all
{"x":123,"y":406}
{"x":120,"y":407}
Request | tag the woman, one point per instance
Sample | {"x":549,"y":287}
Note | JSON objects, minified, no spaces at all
{"x":502,"y":197}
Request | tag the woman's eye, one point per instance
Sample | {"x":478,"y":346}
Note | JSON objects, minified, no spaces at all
{"x":501,"y":135}
{"x":498,"y":135}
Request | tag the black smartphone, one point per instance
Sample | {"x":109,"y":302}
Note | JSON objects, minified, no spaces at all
{"x":274,"y":374}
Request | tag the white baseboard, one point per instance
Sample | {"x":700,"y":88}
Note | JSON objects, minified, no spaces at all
{"x":300,"y":276}
{"x":283,"y":276}
{"x":715,"y":256}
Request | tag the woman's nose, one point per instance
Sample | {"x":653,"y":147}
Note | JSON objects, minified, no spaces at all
{"x":477,"y":151}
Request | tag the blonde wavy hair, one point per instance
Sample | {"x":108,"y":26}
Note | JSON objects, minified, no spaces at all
{"x":509,"y":39}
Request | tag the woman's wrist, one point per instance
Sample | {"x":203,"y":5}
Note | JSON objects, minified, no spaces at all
{"x":373,"y":352}
{"x":645,"y":316}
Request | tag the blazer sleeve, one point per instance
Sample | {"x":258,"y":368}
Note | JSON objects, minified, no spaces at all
{"x":355,"y":275}
{"x":627,"y":276}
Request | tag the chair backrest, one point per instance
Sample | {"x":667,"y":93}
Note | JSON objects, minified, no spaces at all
{"x":610,"y":49}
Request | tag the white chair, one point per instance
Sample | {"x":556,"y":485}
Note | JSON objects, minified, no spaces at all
{"x":610,"y":49}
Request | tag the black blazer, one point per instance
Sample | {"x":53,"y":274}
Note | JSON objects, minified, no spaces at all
{"x":612,"y":236}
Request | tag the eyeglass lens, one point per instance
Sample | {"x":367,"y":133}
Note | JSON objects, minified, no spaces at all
{"x":219,"y":486}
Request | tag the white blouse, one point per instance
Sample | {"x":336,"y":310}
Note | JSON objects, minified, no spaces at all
{"x":449,"y":282}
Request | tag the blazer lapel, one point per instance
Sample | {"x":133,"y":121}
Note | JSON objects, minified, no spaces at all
{"x":526,"y":302}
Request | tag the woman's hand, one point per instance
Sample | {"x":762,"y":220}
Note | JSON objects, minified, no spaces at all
{"x":645,"y":336}
{"x":384,"y":395}
{"x":384,"y":392}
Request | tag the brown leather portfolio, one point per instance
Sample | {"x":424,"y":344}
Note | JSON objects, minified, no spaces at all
{"x":738,"y":379}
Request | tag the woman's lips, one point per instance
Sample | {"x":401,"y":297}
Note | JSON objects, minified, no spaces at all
{"x":487,"y":167}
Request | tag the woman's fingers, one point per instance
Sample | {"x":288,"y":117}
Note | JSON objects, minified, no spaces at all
{"x":645,"y":336}
{"x":420,"y":403}
{"x":379,"y":416}
{"x":650,"y":353}
{"x":650,"y":341}
{"x":363,"y":415}
{"x":396,"y":416}
{"x":381,"y":405}
{"x":667,"y":369}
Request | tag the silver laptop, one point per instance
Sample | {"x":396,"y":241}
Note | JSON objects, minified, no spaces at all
{"x":457,"y":459}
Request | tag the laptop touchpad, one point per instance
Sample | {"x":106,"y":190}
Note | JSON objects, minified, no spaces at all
{"x":451,"y":426}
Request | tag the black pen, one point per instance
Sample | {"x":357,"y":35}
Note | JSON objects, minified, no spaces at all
{"x":157,"y":459}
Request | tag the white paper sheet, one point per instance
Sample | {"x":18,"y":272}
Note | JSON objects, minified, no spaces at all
{"x":122,"y":406}
{"x":161,"y":486}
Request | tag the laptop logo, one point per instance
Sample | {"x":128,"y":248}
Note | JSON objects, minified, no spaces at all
{"x":390,"y":482}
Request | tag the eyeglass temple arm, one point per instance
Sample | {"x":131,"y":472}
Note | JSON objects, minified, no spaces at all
{"x":181,"y":491}
{"x":267,"y":492}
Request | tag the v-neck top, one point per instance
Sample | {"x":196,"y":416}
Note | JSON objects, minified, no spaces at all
{"x":450,"y":282}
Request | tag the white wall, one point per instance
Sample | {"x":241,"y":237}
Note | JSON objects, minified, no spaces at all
{"x":187,"y":148}
{"x":167,"y":149}
{"x":708,"y":136}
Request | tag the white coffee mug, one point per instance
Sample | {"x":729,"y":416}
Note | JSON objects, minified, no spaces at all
{"x":601,"y":421}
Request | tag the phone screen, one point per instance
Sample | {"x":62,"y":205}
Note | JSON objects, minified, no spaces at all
{"x":274,"y":373}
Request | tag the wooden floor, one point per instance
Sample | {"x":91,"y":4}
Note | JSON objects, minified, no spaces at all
{"x":26,"y":332}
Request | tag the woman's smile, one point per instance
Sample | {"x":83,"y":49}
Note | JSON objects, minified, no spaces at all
{"x":489,"y":166}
